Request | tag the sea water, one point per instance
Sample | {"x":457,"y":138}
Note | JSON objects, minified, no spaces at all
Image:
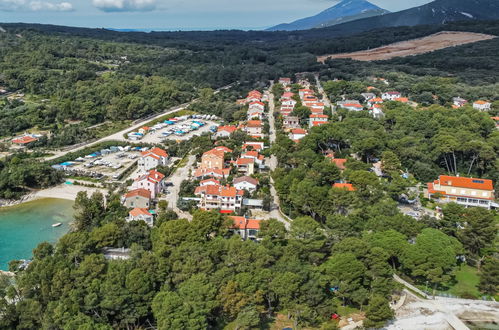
{"x":24,"y":226}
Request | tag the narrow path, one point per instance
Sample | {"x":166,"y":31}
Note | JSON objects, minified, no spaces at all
{"x":176,"y":178}
{"x":273,"y":163}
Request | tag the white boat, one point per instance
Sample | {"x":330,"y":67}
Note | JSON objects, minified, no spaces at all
{"x":57,"y":224}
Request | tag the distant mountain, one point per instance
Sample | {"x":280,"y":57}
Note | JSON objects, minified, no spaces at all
{"x":345,"y":11}
{"x":436,"y":12}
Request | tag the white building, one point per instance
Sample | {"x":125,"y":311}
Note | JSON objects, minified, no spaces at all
{"x":482,"y":105}
{"x":138,"y":214}
{"x":153,"y":158}
{"x":246,"y":183}
{"x":391,"y":96}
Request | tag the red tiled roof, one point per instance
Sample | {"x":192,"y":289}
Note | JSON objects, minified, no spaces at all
{"x":298,"y":131}
{"x":318,"y":123}
{"x":254,"y":123}
{"x":158,"y":152}
{"x":340,"y":162}
{"x":462,"y":182}
{"x":230,"y":129}
{"x":139,"y":211}
{"x":245,"y":161}
{"x":481,"y":102}
{"x":210,"y":180}
{"x":402,"y":99}
{"x":24,"y":139}
{"x":246,"y":179}
{"x":347,"y":186}
{"x":138,"y":192}
{"x":243,"y":223}
{"x":257,"y":102}
{"x":318,"y":116}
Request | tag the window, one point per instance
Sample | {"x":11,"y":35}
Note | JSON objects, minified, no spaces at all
{"x":478,"y":181}
{"x":463,"y":200}
{"x":484,"y":202}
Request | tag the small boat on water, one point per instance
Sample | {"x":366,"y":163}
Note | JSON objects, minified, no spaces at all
{"x":57,"y":224}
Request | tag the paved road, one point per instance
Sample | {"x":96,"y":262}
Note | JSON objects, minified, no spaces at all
{"x":274,"y":212}
{"x":136,"y":125}
{"x":327,"y":102}
{"x":181,"y":174}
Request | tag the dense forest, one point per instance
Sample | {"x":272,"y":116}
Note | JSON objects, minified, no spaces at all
{"x":73,"y":78}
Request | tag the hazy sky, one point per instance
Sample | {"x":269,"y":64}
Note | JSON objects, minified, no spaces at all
{"x":172,"y":14}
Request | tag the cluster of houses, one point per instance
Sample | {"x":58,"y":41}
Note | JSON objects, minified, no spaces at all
{"x":372,"y":102}
{"x":308,"y":99}
{"x":146,"y":186}
{"x":458,"y":102}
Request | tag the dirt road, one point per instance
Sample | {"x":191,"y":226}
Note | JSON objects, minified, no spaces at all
{"x":427,"y":44}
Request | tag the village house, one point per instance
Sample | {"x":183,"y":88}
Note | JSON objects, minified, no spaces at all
{"x":368,"y":96}
{"x":140,"y":198}
{"x":246,"y":228}
{"x":339,"y":162}
{"x":24,"y":140}
{"x":259,"y":159}
{"x":224,"y":131}
{"x":153,"y":181}
{"x":297,"y":134}
{"x":256,"y":106}
{"x":376,"y":100}
{"x":202,"y":173}
{"x":209,"y":182}
{"x":152,"y":158}
{"x":245,"y":165}
{"x":402,"y":99}
{"x":291,"y":122}
{"x":317,"y":120}
{"x":390,"y":96}
{"x":224,"y":198}
{"x":458,"y":102}
{"x":254,"y":128}
{"x":377,"y":111}
{"x":303,"y":92}
{"x":246,"y":183}
{"x":254,"y":96}
{"x":141,"y":214}
{"x":288,"y":105}
{"x":255,"y":115}
{"x":352,"y":106}
{"x":464,"y":191}
{"x":257,"y":146}
{"x":482,"y":105}
{"x":214,"y":159}
{"x":287,"y":96}
{"x":317,"y":107}
{"x":285,"y":81}
{"x":144,"y":130}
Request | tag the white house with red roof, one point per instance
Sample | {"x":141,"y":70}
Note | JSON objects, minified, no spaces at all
{"x":246,"y":228}
{"x":297,"y":134}
{"x":285,"y":81}
{"x":217,"y":173}
{"x":391,"y":96}
{"x":482,"y":105}
{"x":317,"y":120}
{"x":246,"y":183}
{"x":225,"y":198}
{"x":255,"y":115}
{"x":153,"y":158}
{"x":258,"y":146}
{"x":253,"y":154}
{"x":245,"y":165}
{"x":254,"y":128}
{"x":225,"y":131}
{"x":305,"y":91}
{"x":141,"y":214}
{"x":287,"y":96}
{"x":210,"y":181}
{"x":153,"y":181}
{"x":256,"y":106}
{"x":464,"y":191}
{"x":352,"y":106}
{"x":458,"y":102}
{"x":24,"y":140}
{"x":140,"y":198}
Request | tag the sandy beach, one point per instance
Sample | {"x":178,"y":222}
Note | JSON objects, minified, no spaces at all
{"x":62,"y":191}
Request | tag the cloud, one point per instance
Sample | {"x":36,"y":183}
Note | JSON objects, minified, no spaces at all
{"x":24,"y":5}
{"x":124,"y":5}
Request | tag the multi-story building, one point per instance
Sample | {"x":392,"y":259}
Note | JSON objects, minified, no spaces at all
{"x":140,"y":198}
{"x":152,"y":158}
{"x":463,"y":191}
{"x":224,"y":198}
{"x":153,"y":181}
{"x":482,"y":105}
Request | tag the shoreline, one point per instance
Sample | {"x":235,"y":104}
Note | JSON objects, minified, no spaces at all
{"x":62,"y":191}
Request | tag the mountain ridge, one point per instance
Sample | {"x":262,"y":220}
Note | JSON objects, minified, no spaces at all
{"x":344,"y":11}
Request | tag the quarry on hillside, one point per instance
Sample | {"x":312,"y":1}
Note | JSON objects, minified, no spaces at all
{"x":427,"y":44}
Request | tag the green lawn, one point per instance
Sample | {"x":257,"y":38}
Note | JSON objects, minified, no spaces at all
{"x":466,"y":285}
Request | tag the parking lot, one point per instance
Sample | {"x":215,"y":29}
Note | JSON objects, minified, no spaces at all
{"x":111,"y":163}
{"x":180,"y":131}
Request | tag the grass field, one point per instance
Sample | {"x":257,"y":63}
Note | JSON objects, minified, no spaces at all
{"x":466,"y":285}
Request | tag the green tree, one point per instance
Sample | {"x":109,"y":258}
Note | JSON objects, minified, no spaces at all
{"x":378,"y":312}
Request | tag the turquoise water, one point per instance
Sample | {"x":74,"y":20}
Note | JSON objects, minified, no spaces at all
{"x":24,"y":226}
